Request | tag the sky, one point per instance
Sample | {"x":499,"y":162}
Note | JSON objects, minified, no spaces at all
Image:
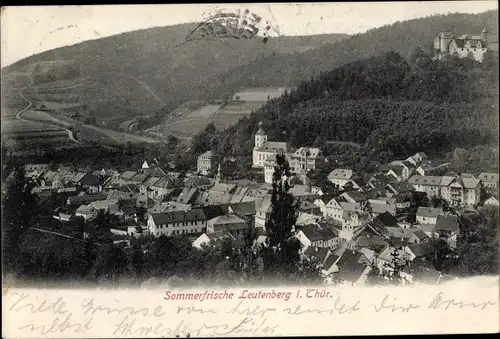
{"x":28,"y":30}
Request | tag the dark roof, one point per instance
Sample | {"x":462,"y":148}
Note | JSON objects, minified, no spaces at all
{"x":401,"y":187}
{"x":212,"y":211}
{"x":186,"y":195}
{"x":311,"y":231}
{"x":421,"y":235}
{"x":330,"y":261}
{"x":244,"y":208}
{"x":84,"y":199}
{"x":128,"y":210}
{"x":386,"y":219}
{"x":356,"y":196}
{"x":446,"y":223}
{"x":349,"y":267}
{"x":319,"y":253}
{"x":177,"y":216}
{"x":90,"y":180}
{"x":421,"y":249}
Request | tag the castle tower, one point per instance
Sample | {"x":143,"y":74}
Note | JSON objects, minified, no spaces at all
{"x":444,"y":41}
{"x":260,"y":136}
{"x":484,"y":35}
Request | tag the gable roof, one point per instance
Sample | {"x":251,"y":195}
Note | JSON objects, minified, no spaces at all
{"x":330,"y":261}
{"x":429,"y":212}
{"x":274,"y":146}
{"x":425,"y":180}
{"x":447,"y":223}
{"x":206,"y":154}
{"x":178,"y":216}
{"x":488,"y":177}
{"x":421,"y":249}
{"x":341,"y":173}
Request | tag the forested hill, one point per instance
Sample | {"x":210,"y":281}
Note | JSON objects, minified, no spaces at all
{"x":401,"y":37}
{"x":387,"y":104}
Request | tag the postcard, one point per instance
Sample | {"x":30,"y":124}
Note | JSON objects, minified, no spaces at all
{"x":221,"y":170}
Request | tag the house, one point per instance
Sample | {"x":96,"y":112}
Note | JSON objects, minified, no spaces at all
{"x":424,"y":275}
{"x":127,"y":213}
{"x":396,"y":172}
{"x":103,"y":205}
{"x":230,"y":223}
{"x":357,"y":198}
{"x":379,"y":206}
{"x":197,"y":181}
{"x":316,"y":235}
{"x":85,"y":199}
{"x":212,"y":238}
{"x":318,"y":254}
{"x":399,"y":188}
{"x":463,"y":46}
{"x":489,"y":181}
{"x":309,"y":208}
{"x":86,"y":212}
{"x":264,"y":148}
{"x":330,"y":265}
{"x":188,"y":195}
{"x":430,"y":185}
{"x":51,"y":179}
{"x":306,"y":159}
{"x":419,"y":250}
{"x":91,"y":183}
{"x":353,"y":268}
{"x":223,"y":188}
{"x":460,"y":191}
{"x":491,"y":201}
{"x":340,"y":176}
{"x":428,"y":215}
{"x":389,"y":256}
{"x":353,"y":219}
{"x":263,"y":210}
{"x":322,"y":201}
{"x":408,"y":168}
{"x":207,"y":162}
{"x":177,"y":222}
{"x":447,"y":228}
{"x":168,"y":207}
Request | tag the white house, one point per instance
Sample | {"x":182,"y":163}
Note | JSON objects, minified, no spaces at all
{"x":426,"y":184}
{"x":491,"y":201}
{"x":210,"y":238}
{"x":489,"y":180}
{"x":428,"y":215}
{"x":177,"y":222}
{"x":340,"y":176}
{"x":264,"y":148}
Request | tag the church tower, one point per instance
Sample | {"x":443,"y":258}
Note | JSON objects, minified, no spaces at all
{"x":218,"y":176}
{"x":260,"y":137}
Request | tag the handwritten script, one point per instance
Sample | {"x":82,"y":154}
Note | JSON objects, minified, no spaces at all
{"x":133,"y":313}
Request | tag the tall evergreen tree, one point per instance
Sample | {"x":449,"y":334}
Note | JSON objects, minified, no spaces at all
{"x":283,"y":252}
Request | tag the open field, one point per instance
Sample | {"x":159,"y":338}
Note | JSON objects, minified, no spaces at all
{"x":190,"y":118}
{"x":120,"y":137}
{"x":260,"y":94}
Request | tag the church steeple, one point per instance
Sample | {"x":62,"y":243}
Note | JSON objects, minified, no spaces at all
{"x":260,"y":136}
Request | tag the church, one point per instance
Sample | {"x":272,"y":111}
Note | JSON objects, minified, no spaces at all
{"x":263,"y":148}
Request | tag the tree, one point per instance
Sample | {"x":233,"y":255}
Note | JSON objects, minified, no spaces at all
{"x":172,"y":141}
{"x":282,"y":254}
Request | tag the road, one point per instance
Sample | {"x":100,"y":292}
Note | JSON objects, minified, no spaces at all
{"x":30,"y":105}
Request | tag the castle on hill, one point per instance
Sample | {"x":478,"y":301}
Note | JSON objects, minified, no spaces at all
{"x":465,"y":45}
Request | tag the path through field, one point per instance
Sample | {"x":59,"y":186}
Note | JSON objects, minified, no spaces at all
{"x":30,"y":104}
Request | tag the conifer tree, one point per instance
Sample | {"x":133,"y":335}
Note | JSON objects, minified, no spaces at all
{"x":283,"y":251}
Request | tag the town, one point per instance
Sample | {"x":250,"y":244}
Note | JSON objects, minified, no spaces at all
{"x":352,"y":226}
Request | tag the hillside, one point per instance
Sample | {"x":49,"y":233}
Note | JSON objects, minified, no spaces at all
{"x":400,"y":37}
{"x":142,"y":72}
{"x":389,"y":106}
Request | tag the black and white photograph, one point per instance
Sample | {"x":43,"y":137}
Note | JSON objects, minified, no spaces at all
{"x":248,"y":146}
